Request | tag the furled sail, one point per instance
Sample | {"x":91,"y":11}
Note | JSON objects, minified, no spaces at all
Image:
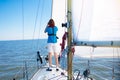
{"x":96,"y":22}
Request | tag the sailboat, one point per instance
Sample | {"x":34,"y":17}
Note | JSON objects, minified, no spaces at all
{"x":89,"y":25}
{"x":94,"y":23}
{"x":62,"y":74}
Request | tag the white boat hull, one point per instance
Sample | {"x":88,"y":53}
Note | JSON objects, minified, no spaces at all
{"x":42,"y":74}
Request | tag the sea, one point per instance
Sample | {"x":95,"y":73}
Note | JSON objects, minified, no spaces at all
{"x":19,"y":57}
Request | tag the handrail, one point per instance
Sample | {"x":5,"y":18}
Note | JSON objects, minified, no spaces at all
{"x":28,"y":67}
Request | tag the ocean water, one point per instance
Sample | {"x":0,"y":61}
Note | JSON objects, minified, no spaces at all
{"x":14,"y":55}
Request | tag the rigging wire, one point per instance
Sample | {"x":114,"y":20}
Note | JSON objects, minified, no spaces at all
{"x":36,"y":18}
{"x":23,"y":33}
{"x":23,"y":18}
{"x":65,"y":20}
{"x":113,"y":71}
{"x":118,"y":54}
{"x":40,"y":24}
{"x":42,"y":10}
{"x":63,"y":52}
{"x":25,"y":71}
{"x":52,"y":9}
{"x":24,"y":61}
{"x":22,"y":3}
{"x":81,"y":14}
{"x":35,"y":26}
{"x":91,"y":53}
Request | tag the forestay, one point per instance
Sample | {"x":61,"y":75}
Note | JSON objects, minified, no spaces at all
{"x":96,"y":22}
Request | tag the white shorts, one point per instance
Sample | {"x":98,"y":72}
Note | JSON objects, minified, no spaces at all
{"x":52,"y":47}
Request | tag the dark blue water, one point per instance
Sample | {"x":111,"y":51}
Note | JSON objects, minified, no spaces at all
{"x":14,"y":55}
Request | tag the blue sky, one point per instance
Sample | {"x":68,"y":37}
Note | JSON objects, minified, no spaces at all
{"x":11,"y":26}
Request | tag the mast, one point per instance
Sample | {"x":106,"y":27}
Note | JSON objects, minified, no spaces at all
{"x":69,"y":40}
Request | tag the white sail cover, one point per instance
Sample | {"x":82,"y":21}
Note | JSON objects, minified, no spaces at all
{"x":96,"y":20}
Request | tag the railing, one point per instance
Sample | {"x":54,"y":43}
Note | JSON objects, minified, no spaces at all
{"x":99,"y":69}
{"x":30,"y":67}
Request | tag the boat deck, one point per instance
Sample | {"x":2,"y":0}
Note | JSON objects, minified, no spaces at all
{"x":42,"y":74}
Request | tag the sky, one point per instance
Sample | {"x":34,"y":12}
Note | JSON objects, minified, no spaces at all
{"x":95,"y":19}
{"x":12,"y":28}
{"x":12,"y":24}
